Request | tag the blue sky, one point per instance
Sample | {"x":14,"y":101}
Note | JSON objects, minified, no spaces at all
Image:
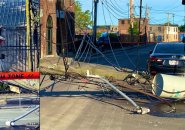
{"x":118,"y":9}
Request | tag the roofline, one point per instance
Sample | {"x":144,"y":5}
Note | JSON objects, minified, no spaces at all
{"x":163,"y":25}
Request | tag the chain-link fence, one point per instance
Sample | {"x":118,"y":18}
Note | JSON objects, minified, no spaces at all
{"x":15,"y":52}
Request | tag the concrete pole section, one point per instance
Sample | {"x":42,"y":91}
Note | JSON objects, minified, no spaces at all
{"x":131,"y":12}
{"x":131,"y":19}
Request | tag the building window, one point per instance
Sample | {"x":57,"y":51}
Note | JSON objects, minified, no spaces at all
{"x":159,"y":29}
{"x":123,"y":21}
{"x":168,"y":29}
{"x":150,"y":28}
{"x":49,"y":35}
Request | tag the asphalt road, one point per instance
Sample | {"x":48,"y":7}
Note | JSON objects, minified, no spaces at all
{"x":131,"y":58}
{"x":74,"y":106}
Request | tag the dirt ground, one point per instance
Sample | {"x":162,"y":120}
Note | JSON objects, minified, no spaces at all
{"x":73,"y":107}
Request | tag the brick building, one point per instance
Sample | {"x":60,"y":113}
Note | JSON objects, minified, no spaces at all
{"x":124,"y":25}
{"x":156,"y":33}
{"x":163,"y":33}
{"x":57,"y":26}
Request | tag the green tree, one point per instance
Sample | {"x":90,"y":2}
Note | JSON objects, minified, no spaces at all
{"x":82,"y":18}
{"x":135,"y":29}
{"x":182,"y":28}
{"x":3,"y":87}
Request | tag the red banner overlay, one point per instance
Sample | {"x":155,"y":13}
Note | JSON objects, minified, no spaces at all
{"x":19,"y":75}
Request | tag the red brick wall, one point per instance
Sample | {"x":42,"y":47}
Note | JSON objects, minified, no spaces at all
{"x":124,"y":27}
{"x":47,"y":7}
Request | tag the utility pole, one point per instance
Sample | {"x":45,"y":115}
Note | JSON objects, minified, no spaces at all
{"x":28,"y":36}
{"x":131,"y":18}
{"x":184,"y":15}
{"x":168,"y":17}
{"x":95,"y":20}
{"x":140,"y":16}
{"x":147,"y":19}
{"x":128,"y":10}
{"x":184,"y":22}
{"x":147,"y":12}
{"x":131,"y":9}
{"x":146,"y":23}
{"x":173,"y":18}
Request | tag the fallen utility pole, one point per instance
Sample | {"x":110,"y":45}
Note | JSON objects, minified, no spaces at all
{"x":139,"y":110}
{"x":125,"y":85}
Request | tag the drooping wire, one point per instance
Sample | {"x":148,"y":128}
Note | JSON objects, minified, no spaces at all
{"x":69,"y":29}
{"x":113,"y":10}
{"x":122,"y":48}
{"x":94,"y":47}
{"x":109,"y":37}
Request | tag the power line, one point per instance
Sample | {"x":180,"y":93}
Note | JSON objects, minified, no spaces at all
{"x":118,"y":13}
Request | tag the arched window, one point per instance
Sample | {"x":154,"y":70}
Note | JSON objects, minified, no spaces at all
{"x":49,"y":35}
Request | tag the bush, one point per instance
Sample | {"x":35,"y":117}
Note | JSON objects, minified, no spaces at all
{"x":3,"y":86}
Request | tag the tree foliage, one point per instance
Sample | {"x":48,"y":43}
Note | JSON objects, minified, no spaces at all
{"x":182,"y":28}
{"x":82,"y":18}
{"x":135,"y":29}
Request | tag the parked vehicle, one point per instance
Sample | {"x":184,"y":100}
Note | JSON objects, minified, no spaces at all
{"x":167,"y":58}
{"x":103,"y":39}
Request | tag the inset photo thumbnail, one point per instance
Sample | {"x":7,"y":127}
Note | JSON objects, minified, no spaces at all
{"x":19,"y":101}
{"x":19,"y":35}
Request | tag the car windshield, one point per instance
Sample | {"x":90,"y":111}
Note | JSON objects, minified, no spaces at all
{"x":170,"y":48}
